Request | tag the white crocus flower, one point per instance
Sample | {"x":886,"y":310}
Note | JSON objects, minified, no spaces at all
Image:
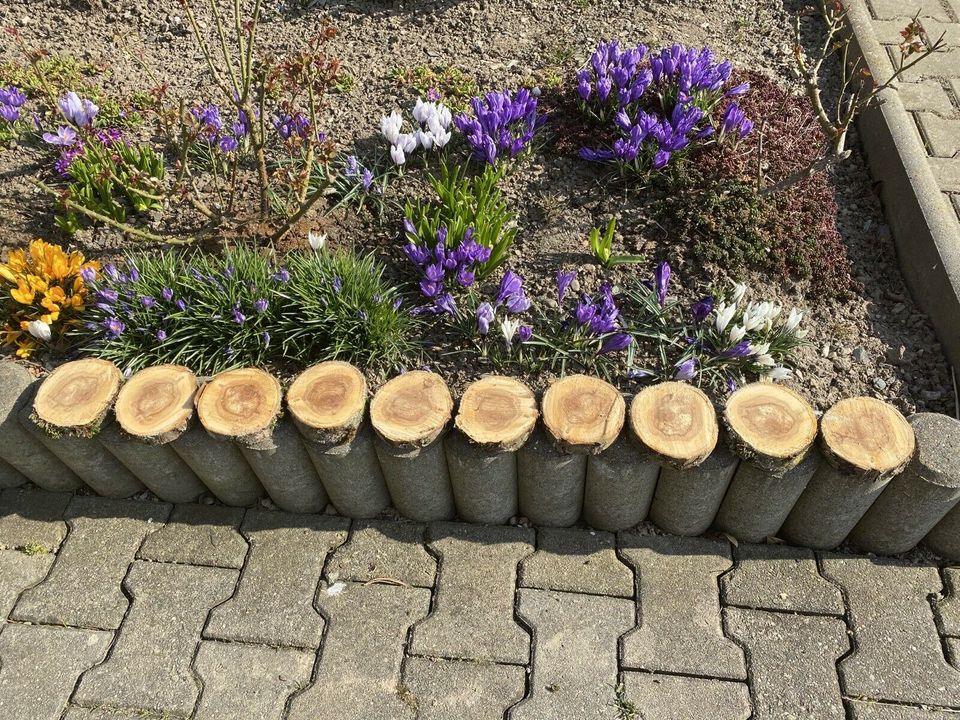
{"x":407,"y":141}
{"x":793,"y":320}
{"x":40,"y":330}
{"x":423,"y":110}
{"x":424,"y":139}
{"x":442,"y":116}
{"x":765,"y":361}
{"x":509,"y":328}
{"x":780,"y":373}
{"x":440,"y":138}
{"x":725,"y":314}
{"x":396,"y":153}
{"x":390,"y":126}
{"x":736,"y":333}
{"x":738,"y":291}
{"x":761,"y":349}
{"x":316,"y":240}
{"x":755,"y":315}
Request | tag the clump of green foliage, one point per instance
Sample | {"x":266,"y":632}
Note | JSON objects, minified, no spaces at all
{"x":449,"y":84}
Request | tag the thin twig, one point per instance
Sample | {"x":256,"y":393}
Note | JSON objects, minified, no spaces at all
{"x":821,"y":163}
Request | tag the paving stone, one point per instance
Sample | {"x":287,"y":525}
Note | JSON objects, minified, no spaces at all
{"x":941,"y":64}
{"x":947,"y":173}
{"x":675,"y":697}
{"x":679,"y":608}
{"x":582,"y":561}
{"x":949,"y":606}
{"x":384,"y":549}
{"x":273,"y":604}
{"x":887,"y":9}
{"x":39,"y":666}
{"x":83,"y":589}
{"x":32,"y":517}
{"x":927,"y":96}
{"x":358,"y":676}
{"x":888,"y":31}
{"x":150,"y":664}
{"x":793,"y":663}
{"x":897,"y":652}
{"x":779,"y":577}
{"x":865,"y":710}
{"x":18,"y":572}
{"x":575,"y":666}
{"x":953,"y":651}
{"x":75,"y":712}
{"x":472,"y":616}
{"x":247,"y":682}
{"x":445,"y":689}
{"x":199,"y":535}
{"x":942,"y":135}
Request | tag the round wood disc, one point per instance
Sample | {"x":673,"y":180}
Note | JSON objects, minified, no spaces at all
{"x":583,"y":413}
{"x":78,"y":394}
{"x":241,"y":402}
{"x":867,"y":435}
{"x":676,"y":422}
{"x":771,"y":421}
{"x":413,"y":408}
{"x":157,"y":400}
{"x":497,"y":411}
{"x":329,"y":396}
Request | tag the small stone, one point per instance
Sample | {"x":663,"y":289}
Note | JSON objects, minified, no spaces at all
{"x":861,"y":355}
{"x":880,"y":384}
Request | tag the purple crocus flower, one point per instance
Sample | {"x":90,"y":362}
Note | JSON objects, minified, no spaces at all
{"x":181,"y":304}
{"x":485,"y":316}
{"x":77,"y":110}
{"x":661,"y":282}
{"x":524,"y":332}
{"x":613,"y":343}
{"x":114,"y":327}
{"x":702,"y":309}
{"x":12,"y":97}
{"x":228,"y":144}
{"x":351,"y":167}
{"x":167,"y":294}
{"x":147,"y":301}
{"x":238,"y":317}
{"x":64,"y":137}
{"x":740,"y":350}
{"x":510,"y":284}
{"x":686,"y":370}
{"x":108,"y":295}
{"x":9,"y":113}
{"x":367,"y":179}
{"x":564,"y":281}
{"x":265,"y":337}
{"x":418,"y":254}
{"x":261,"y":305}
{"x":446,"y":303}
{"x":337,"y":284}
{"x":281,"y":276}
{"x":88,"y":275}
{"x":161,"y":335}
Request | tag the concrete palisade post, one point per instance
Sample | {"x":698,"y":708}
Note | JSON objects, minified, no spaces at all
{"x":69,"y":408}
{"x":865,"y":443}
{"x":919,"y":497}
{"x":619,"y":487}
{"x":24,"y":453}
{"x":153,"y":409}
{"x":582,"y":416}
{"x":676,"y":423}
{"x":410,"y":414}
{"x":944,"y":539}
{"x":772,"y":429}
{"x":328,"y":404}
{"x":494,"y":420}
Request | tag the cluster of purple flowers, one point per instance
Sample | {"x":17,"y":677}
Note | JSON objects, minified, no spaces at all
{"x":502,"y":123}
{"x":295,"y":126}
{"x":614,"y":79}
{"x":353,"y":170}
{"x":213,"y":129}
{"x":441,"y":265}
{"x":512,"y":297}
{"x":79,"y":113}
{"x":11,"y":100}
{"x":595,"y":316}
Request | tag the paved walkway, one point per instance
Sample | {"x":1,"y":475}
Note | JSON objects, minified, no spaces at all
{"x":130,"y":609}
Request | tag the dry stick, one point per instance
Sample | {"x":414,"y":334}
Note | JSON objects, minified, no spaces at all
{"x":495,"y":418}
{"x":153,"y":409}
{"x":243,"y":406}
{"x":677,"y":425}
{"x":921,"y":496}
{"x":328,"y":403}
{"x":410,"y":414}
{"x":71,"y":405}
{"x":772,"y":429}
{"x":582,"y":416}
{"x":866,"y":443}
{"x":26,"y":454}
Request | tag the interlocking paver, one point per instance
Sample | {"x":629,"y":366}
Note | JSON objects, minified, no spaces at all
{"x":472,"y":616}
{"x":679,"y":607}
{"x":886,"y":9}
{"x":897,"y":652}
{"x":83,"y":589}
{"x":779,"y":577}
{"x":865,"y":710}
{"x":39,"y":666}
{"x":577,"y":561}
{"x":942,"y":135}
{"x":575,"y":666}
{"x":248,"y":682}
{"x":384,"y":549}
{"x":17,"y":573}
{"x":199,"y":535}
{"x":32,"y":517}
{"x":949,"y":606}
{"x":150,"y":664}
{"x":888,"y":31}
{"x":445,"y":689}
{"x":358,"y":677}
{"x":75,"y":712}
{"x":928,"y":95}
{"x":273,"y":604}
{"x":675,"y":697}
{"x":793,"y":663}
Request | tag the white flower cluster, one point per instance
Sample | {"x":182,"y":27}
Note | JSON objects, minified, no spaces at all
{"x":432,"y":130}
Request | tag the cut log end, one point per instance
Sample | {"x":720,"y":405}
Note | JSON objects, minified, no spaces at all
{"x":156,"y":404}
{"x":77,"y":395}
{"x":583,"y":414}
{"x":239,"y":404}
{"x":412,"y":409}
{"x":770,"y":424}
{"x":497,"y":412}
{"x":865,"y":436}
{"x":676,"y":422}
{"x":327,"y":401}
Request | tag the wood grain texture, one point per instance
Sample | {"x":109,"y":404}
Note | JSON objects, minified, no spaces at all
{"x":156,"y":404}
{"x":77,"y":395}
{"x":770,"y":424}
{"x":676,"y":422}
{"x":497,"y":412}
{"x":413,"y":409}
{"x":328,"y":401}
{"x":865,"y":436}
{"x":240,"y":404}
{"x":583,"y":414}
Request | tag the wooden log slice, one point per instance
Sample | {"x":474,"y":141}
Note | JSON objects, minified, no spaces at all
{"x":76,"y":397}
{"x":155,"y":406}
{"x":675,"y":422}
{"x":413,"y":409}
{"x":866,"y":437}
{"x":240,"y":405}
{"x":583,"y":414}
{"x":498,"y":413}
{"x":770,"y":425}
{"x":328,"y":401}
